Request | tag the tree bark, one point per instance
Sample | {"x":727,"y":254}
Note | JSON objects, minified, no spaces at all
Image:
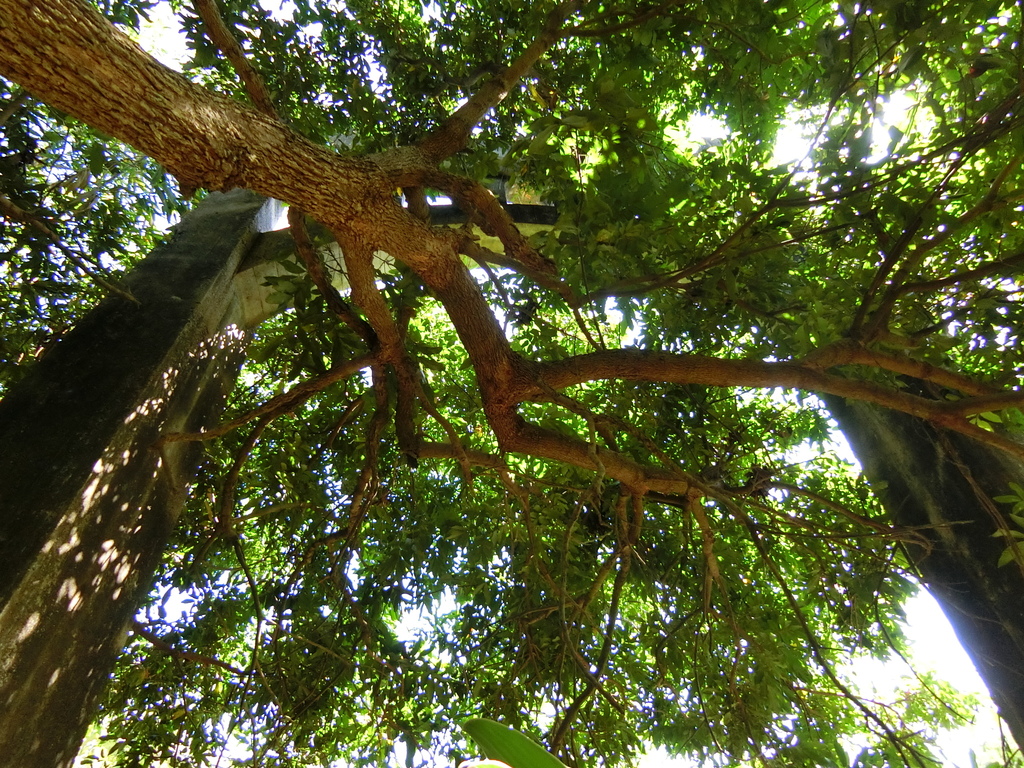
{"x":945,"y":483}
{"x":86,"y":502}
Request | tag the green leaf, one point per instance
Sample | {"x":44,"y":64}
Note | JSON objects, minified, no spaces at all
{"x":1006,"y":557}
{"x":499,"y":742}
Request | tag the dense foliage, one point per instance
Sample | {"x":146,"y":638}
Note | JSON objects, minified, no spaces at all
{"x":330,"y":597}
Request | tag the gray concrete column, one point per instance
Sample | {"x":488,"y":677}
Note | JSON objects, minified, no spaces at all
{"x":86,"y":502}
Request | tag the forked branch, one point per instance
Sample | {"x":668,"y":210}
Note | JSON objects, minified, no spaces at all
{"x":454,"y":133}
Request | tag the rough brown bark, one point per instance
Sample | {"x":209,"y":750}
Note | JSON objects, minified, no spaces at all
{"x":86,"y":500}
{"x":942,"y":484}
{"x":72,"y":58}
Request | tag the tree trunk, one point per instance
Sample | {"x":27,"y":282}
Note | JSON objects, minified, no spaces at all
{"x":86,"y":501}
{"x":945,"y":482}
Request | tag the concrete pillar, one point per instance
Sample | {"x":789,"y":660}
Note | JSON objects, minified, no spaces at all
{"x":86,"y":502}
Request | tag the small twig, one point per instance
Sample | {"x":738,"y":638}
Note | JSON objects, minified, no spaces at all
{"x":19,"y":98}
{"x":226,"y":508}
{"x":254,"y":664}
{"x":817,"y":651}
{"x":454,"y":440}
{"x":581,"y":324}
{"x":560,"y":733}
{"x":629,"y":532}
{"x":364,"y":490}
{"x":484,"y":256}
{"x":990,"y":202}
{"x":985,"y":270}
{"x":898,"y":533}
{"x":12,"y":211}
{"x":278,"y":405}
{"x":162,"y":645}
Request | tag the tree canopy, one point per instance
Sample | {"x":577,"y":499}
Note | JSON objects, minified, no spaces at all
{"x":583,"y":480}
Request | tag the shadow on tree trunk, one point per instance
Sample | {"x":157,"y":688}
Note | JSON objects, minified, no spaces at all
{"x":944,"y":484}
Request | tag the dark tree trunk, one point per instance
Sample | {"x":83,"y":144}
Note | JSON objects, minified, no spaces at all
{"x":945,"y":482}
{"x":86,"y":501}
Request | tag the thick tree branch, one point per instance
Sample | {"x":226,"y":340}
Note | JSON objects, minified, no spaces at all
{"x":318,"y":274}
{"x":211,"y":141}
{"x":851,"y":352}
{"x":66,"y":54}
{"x":393,"y":353}
{"x":640,"y":365}
{"x":970,"y":406}
{"x":483,"y":208}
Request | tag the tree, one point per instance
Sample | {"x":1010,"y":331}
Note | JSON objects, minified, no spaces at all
{"x":581,"y":463}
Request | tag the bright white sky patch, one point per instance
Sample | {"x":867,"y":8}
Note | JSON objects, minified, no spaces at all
{"x":162,"y":39}
{"x":279,"y":10}
{"x":792,"y":143}
{"x":699,"y":133}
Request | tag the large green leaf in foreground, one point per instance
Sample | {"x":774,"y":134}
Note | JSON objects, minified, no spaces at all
{"x":508,"y":745}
